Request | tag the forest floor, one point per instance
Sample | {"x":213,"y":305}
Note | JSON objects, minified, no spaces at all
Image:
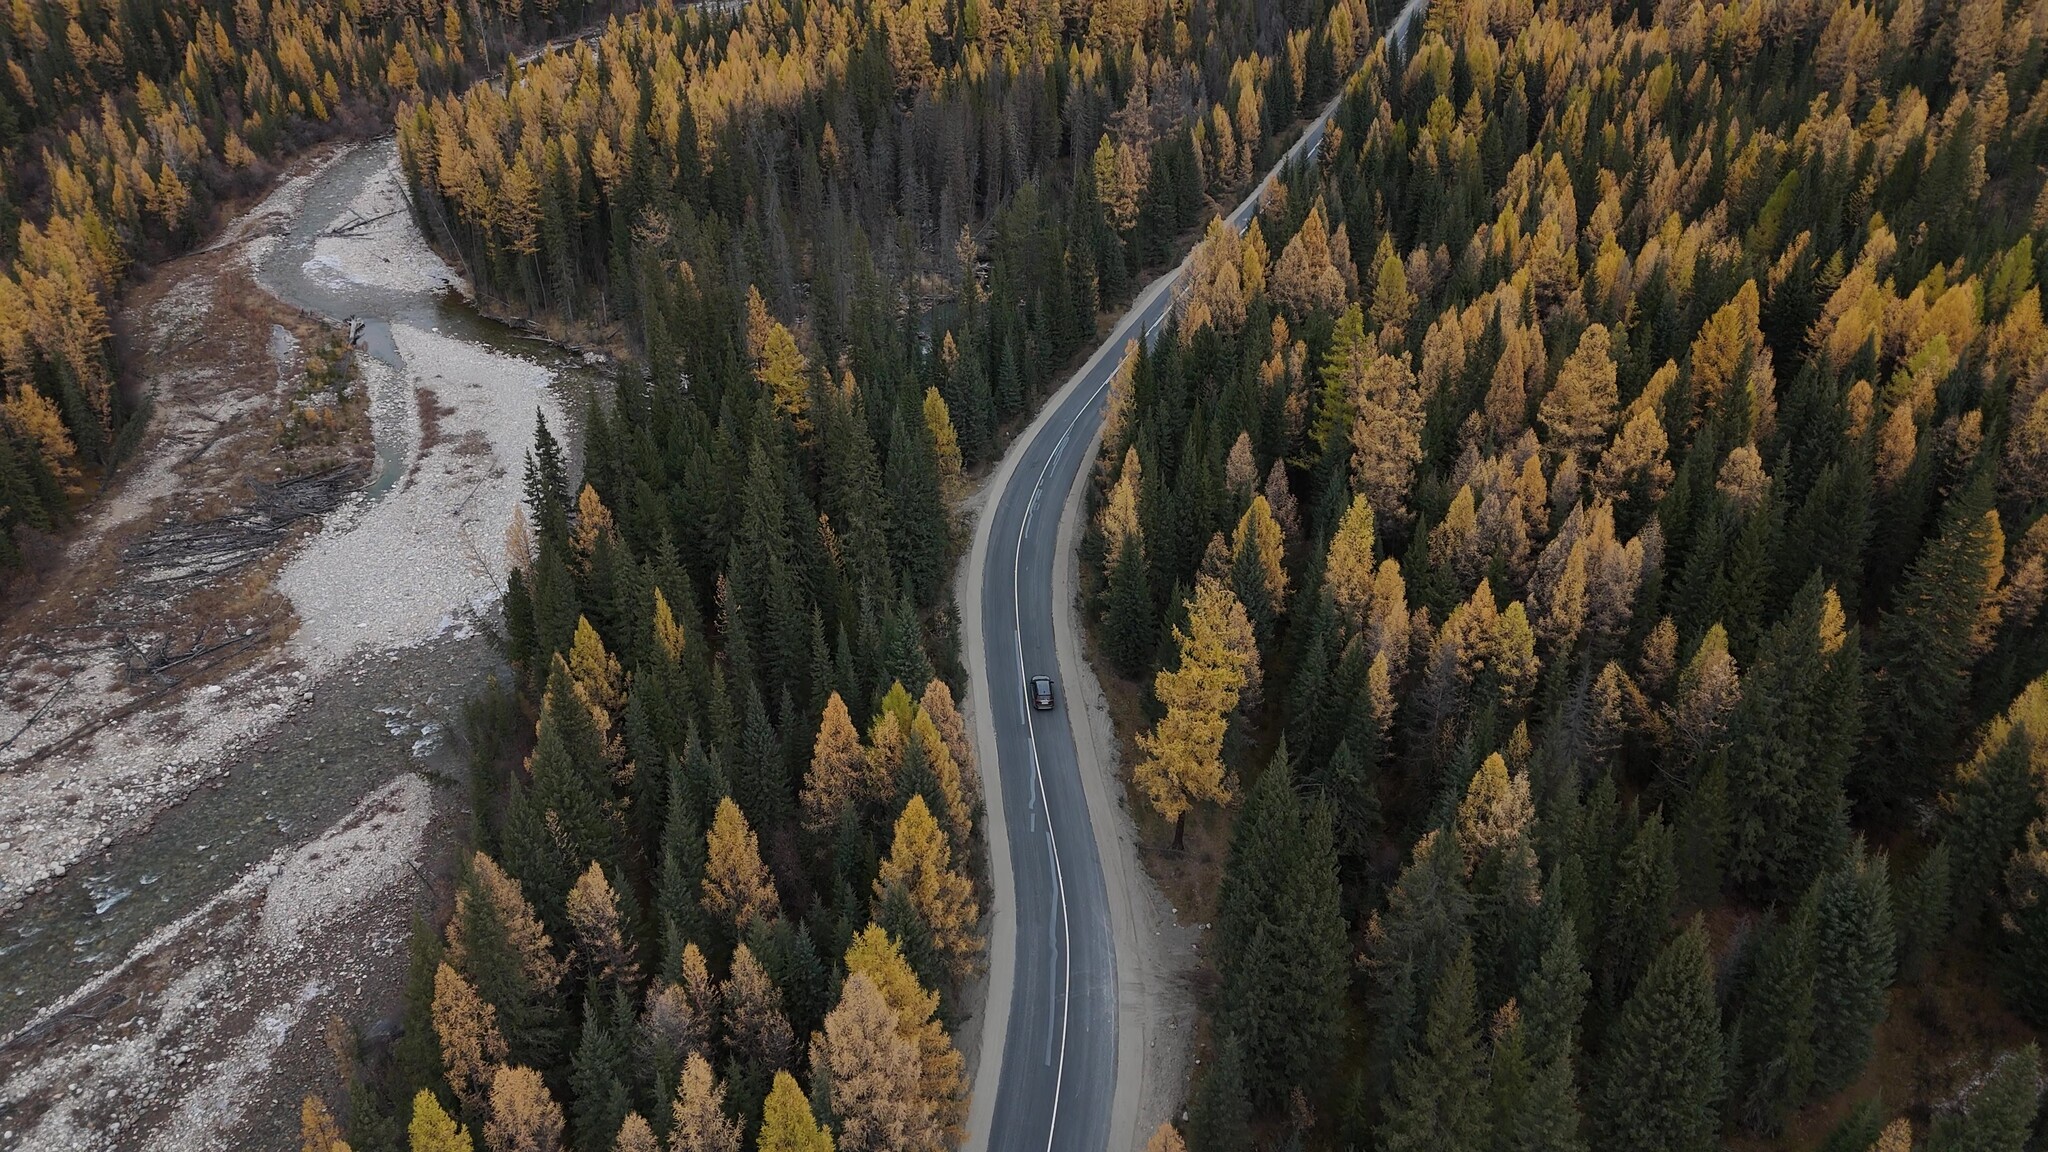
{"x":226,"y":783}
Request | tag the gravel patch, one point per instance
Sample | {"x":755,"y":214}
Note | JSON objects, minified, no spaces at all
{"x":447,"y":517}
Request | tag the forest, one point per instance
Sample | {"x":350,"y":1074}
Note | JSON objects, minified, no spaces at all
{"x":123,"y":125}
{"x":1581,"y":555}
{"x":729,"y":857}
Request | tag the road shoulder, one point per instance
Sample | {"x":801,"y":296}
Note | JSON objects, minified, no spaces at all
{"x":1155,"y":954}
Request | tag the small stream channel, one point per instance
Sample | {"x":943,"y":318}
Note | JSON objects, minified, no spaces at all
{"x":370,"y":718}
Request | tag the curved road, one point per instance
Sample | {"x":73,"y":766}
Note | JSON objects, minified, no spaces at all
{"x":1054,"y":1050}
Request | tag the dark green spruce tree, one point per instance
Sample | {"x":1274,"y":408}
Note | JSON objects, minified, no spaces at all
{"x":1280,"y":934}
{"x":1660,"y":1084}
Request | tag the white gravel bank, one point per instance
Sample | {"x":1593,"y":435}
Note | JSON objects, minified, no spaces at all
{"x":405,"y":567}
{"x":379,"y":245}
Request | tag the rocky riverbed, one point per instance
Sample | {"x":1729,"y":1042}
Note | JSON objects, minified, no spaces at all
{"x":228,"y":772}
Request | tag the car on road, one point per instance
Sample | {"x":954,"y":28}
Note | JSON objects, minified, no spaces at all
{"x":1041,"y":693}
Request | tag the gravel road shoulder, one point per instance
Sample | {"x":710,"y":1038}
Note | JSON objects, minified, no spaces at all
{"x":1156,"y":955}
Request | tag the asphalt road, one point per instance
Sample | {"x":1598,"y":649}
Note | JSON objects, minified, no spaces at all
{"x":1058,"y":1064}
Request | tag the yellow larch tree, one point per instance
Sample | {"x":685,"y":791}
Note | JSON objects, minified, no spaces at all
{"x":506,"y":908}
{"x":635,"y":1135}
{"x":1118,"y":519}
{"x":1166,"y":1138}
{"x":593,"y":523}
{"x":942,"y":1076}
{"x":787,"y":1124}
{"x":433,"y":1130}
{"x":471,"y":1046}
{"x":1259,"y":533}
{"x":593,"y":909}
{"x":874,"y":1075}
{"x":317,"y":1130}
{"x":1386,"y":433}
{"x":1348,"y":566}
{"x":699,"y":1122}
{"x":838,"y":776}
{"x":956,"y":812}
{"x":737,"y":887}
{"x":524,"y":1117}
{"x":1305,"y":279}
{"x":667,"y":632}
{"x":937,"y":703}
{"x":1579,"y":409}
{"x":938,"y":419}
{"x":1183,"y":762}
{"x":920,"y":864}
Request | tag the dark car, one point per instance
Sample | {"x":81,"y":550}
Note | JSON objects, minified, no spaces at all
{"x":1041,"y":693}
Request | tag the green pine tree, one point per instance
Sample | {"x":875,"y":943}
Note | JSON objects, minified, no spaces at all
{"x":1790,"y":745}
{"x":599,"y":1073}
{"x":1439,"y":1101}
{"x":1922,"y":912}
{"x":1280,"y":930}
{"x":1660,"y":1082}
{"x":1925,"y":651}
{"x":1639,"y":910}
{"x":1855,"y":960}
{"x":1773,"y":1059}
{"x":1220,"y":1119}
{"x":1130,"y":622}
{"x":1534,"y":1104}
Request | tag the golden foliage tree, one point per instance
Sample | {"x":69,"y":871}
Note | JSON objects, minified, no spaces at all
{"x":593,"y":909}
{"x":433,"y":1130}
{"x":1579,"y":409}
{"x":524,"y":1117}
{"x":756,"y":1031}
{"x":920,"y":863}
{"x":838,"y":775}
{"x":737,"y":887}
{"x":1386,"y":433}
{"x":1305,"y":279}
{"x":317,"y":1130}
{"x":938,"y":420}
{"x":1259,"y":534}
{"x":700,"y":1123}
{"x":635,"y":1136}
{"x":1166,"y":1138}
{"x":942,"y":1071}
{"x":874,"y":1075}
{"x":1183,"y":763}
{"x":1348,"y":567}
{"x":1118,"y":519}
{"x":786,"y":1121}
{"x":471,"y":1046}
{"x":508,"y":910}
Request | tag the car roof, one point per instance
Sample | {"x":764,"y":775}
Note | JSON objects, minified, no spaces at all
{"x":1045,"y":680}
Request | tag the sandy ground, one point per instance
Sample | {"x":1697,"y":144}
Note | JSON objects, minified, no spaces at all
{"x":384,"y":248}
{"x":133,"y":676}
{"x":156,"y":644}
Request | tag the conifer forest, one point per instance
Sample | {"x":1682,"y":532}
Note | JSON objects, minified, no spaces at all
{"x":1568,"y":582}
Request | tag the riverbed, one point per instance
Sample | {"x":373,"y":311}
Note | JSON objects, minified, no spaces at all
{"x":168,"y":981}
